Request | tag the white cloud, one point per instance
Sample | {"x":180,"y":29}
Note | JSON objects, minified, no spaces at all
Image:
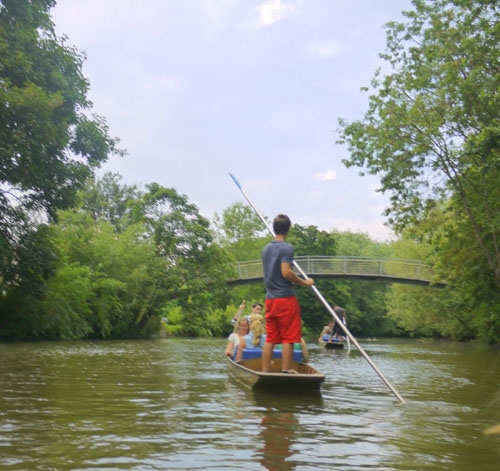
{"x":190,"y":103}
{"x":325,"y":176}
{"x":272,"y":11}
{"x":327,"y":49}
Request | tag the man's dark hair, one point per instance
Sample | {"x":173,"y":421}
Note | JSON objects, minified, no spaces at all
{"x":281,"y":224}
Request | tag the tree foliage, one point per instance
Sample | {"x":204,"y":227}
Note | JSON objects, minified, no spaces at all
{"x":241,"y":232}
{"x":123,"y":261}
{"x":242,"y":235}
{"x":122,"y":267}
{"x":432,"y":131}
{"x":364,"y":300}
{"x":196,"y":267}
{"x":309,"y":240}
{"x":49,"y":145}
{"x":109,"y":199}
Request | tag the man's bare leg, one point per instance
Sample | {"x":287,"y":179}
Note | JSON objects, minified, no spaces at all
{"x":286,"y":356}
{"x":267,"y":355}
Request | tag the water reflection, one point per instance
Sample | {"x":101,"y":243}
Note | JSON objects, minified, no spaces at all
{"x":277,"y":436}
{"x":276,"y":419}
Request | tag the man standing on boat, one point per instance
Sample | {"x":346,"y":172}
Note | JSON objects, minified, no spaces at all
{"x":283,"y":321}
{"x":337,"y":331}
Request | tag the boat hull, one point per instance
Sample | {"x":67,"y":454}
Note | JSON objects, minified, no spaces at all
{"x":249,"y":374}
{"x":332,"y":345}
{"x":331,"y":342}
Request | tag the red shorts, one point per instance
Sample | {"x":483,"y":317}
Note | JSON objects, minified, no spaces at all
{"x":283,"y":322}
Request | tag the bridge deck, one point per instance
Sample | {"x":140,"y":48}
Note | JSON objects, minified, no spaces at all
{"x":344,"y":267}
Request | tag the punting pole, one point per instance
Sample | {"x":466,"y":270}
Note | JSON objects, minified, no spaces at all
{"x":322,"y":299}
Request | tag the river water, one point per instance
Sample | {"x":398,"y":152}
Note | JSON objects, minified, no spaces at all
{"x":170,"y":405}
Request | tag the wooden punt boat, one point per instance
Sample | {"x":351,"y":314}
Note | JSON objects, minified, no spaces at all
{"x":248,"y":372}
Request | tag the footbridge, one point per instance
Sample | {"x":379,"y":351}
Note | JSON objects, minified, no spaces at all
{"x":414,"y":272}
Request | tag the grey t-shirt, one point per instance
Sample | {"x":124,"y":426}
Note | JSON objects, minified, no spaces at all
{"x":273,"y":255}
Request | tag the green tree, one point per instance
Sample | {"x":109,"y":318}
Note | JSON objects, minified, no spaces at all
{"x":106,"y":285}
{"x":309,"y":240}
{"x":467,"y":308}
{"x":241,"y":232}
{"x":242,"y":235}
{"x":126,"y":278}
{"x":364,"y":300}
{"x":197,"y":268}
{"x":50,"y":144}
{"x":109,"y":199}
{"x":359,"y":244}
{"x":432,"y":134}
{"x":120,"y":269}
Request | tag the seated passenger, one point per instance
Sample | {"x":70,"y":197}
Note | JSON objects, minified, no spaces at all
{"x":327,"y":331}
{"x":256,"y":338}
{"x":238,"y":314}
{"x":256,"y":309}
{"x":235,"y":339}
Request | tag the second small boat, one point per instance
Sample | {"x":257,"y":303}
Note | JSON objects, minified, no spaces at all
{"x":331,"y":343}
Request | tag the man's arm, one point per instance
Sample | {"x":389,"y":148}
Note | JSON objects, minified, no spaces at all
{"x":290,"y":275}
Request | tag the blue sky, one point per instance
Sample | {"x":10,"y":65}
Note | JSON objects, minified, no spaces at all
{"x":197,"y":89}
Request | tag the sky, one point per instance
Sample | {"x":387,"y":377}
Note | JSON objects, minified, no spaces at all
{"x":196,"y":89}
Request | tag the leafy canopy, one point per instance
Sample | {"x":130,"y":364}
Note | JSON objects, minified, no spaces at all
{"x":49,"y":142}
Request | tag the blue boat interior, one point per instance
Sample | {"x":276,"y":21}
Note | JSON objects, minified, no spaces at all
{"x":249,"y":353}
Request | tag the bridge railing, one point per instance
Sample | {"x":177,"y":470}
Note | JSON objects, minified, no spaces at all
{"x":348,"y":266}
{"x":324,"y":265}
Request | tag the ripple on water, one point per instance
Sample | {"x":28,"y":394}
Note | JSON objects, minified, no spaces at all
{"x":171,"y":405}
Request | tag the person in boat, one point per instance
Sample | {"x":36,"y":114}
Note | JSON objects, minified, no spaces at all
{"x":337,"y":331}
{"x":257,"y":335}
{"x":234,"y":339}
{"x":239,"y":312}
{"x":256,"y":338}
{"x":256,"y":309}
{"x":283,"y":321}
{"x":327,"y":331}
